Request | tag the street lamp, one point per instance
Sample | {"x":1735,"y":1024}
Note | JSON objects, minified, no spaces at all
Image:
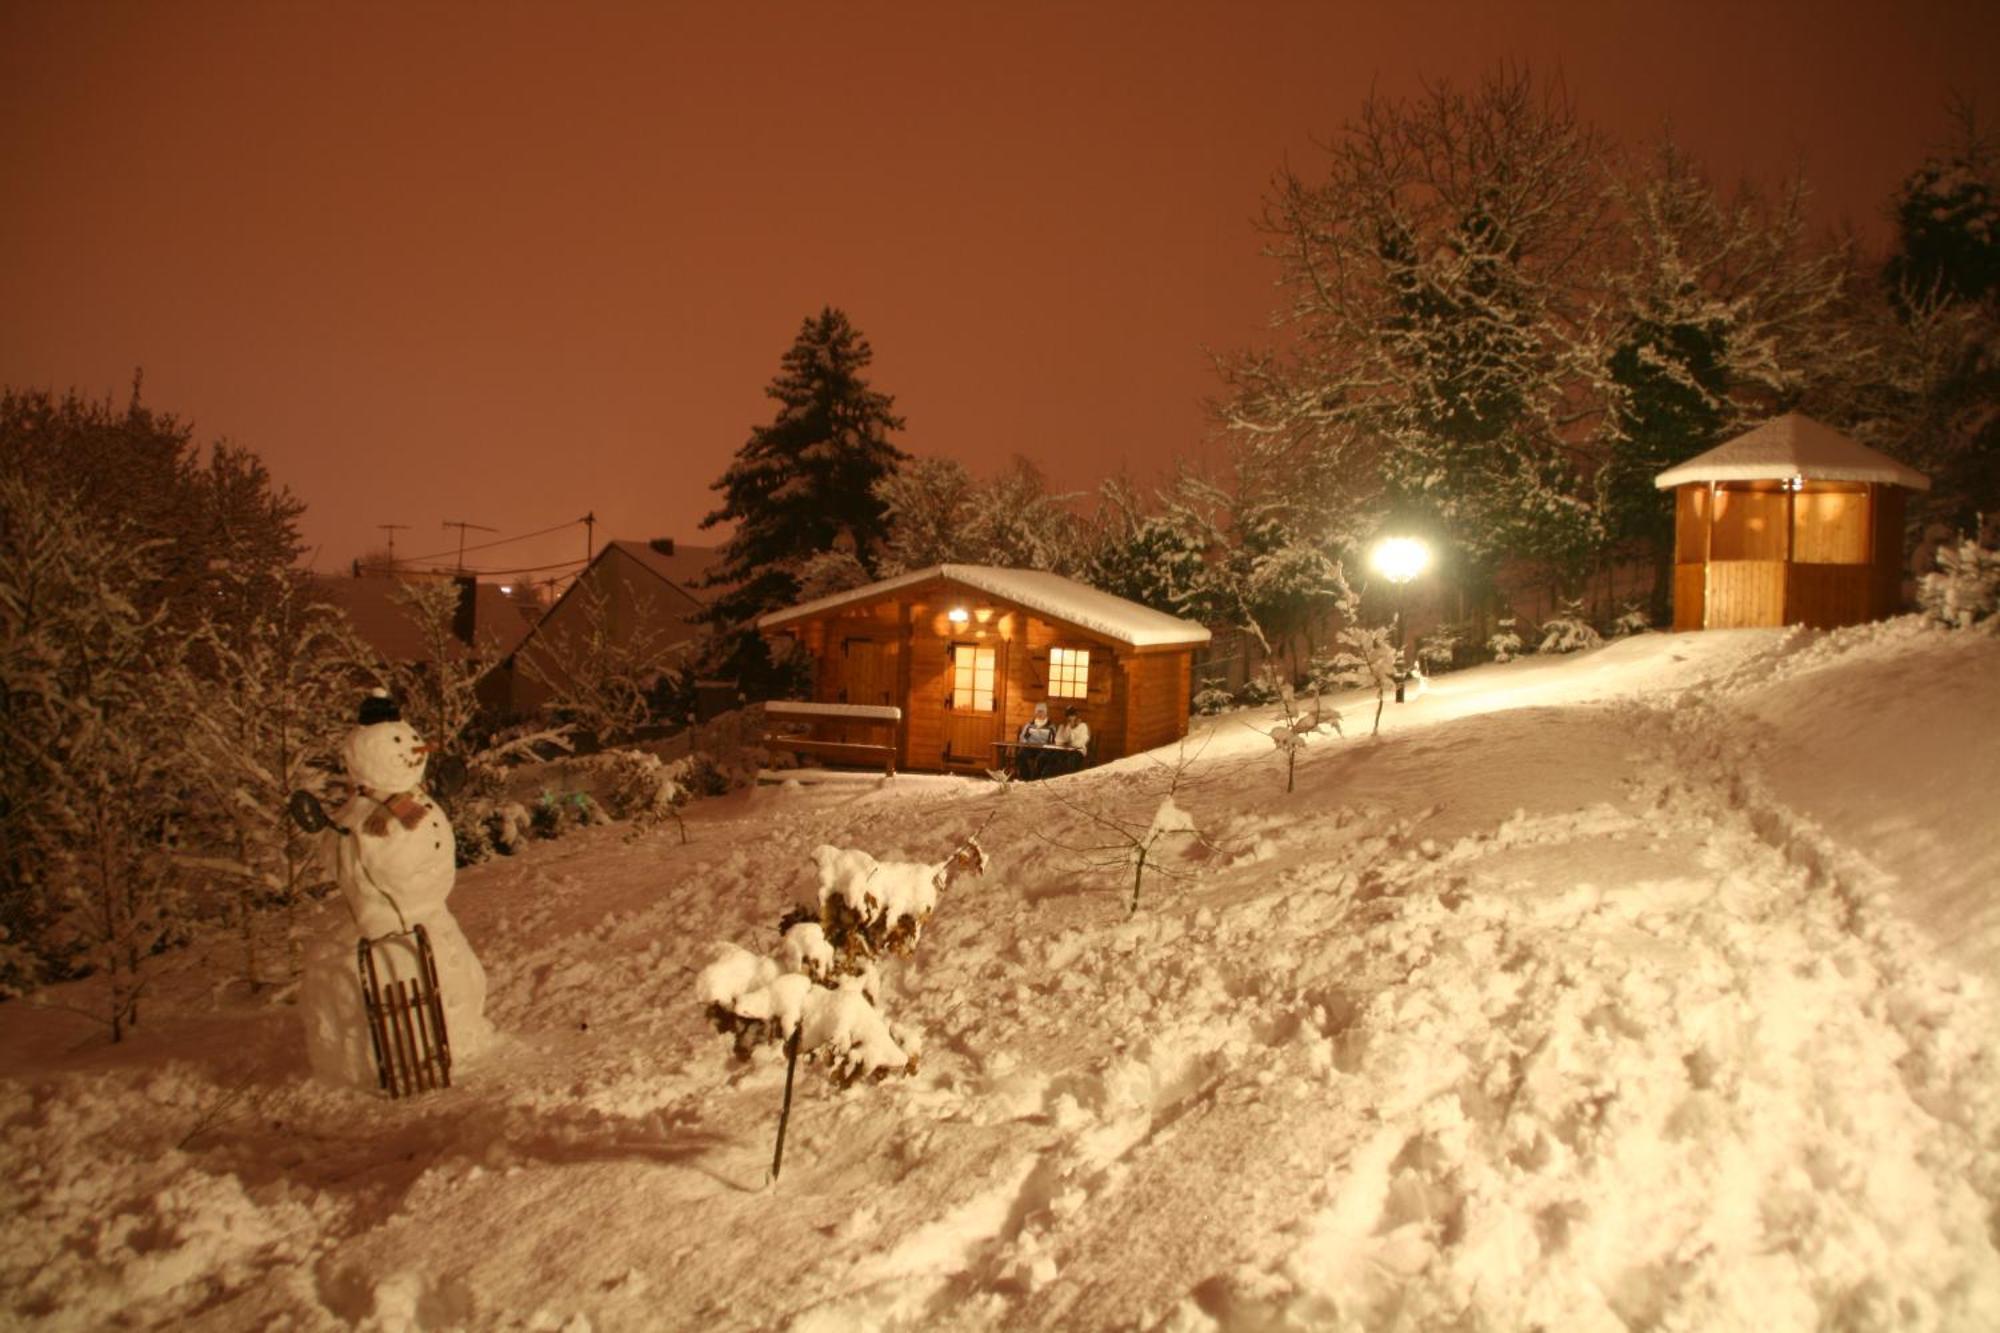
{"x":1400,"y":559}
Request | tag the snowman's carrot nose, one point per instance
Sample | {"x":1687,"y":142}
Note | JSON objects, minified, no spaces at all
{"x":425,"y":747}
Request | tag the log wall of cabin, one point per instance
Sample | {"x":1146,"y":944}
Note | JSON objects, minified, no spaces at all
{"x":1156,"y":705}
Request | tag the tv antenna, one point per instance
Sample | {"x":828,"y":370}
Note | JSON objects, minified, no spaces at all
{"x":461,"y":526}
{"x":392,"y":529}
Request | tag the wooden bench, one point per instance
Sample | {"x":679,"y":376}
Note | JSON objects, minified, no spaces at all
{"x":877,"y":723}
{"x":1008,"y":755}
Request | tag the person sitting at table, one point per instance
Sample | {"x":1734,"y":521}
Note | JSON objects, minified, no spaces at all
{"x":1074,"y":738}
{"x":1037,"y":730}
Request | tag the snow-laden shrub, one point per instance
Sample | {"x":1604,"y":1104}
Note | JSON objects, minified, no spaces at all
{"x":557,"y":812}
{"x":822,"y":994}
{"x":1262,"y":687}
{"x":1568,"y":631}
{"x":1438,"y":650}
{"x":637,"y":784}
{"x":1964,"y":592}
{"x":1505,"y":641}
{"x":1213,"y":696}
{"x":1631,"y":620}
{"x":726,"y":752}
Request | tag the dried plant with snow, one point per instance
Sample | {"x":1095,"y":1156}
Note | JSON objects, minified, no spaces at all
{"x":1296,"y":727}
{"x":1119,"y":840}
{"x":822,"y":994}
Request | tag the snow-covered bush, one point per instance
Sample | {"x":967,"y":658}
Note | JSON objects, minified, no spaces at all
{"x":822,"y":994}
{"x":1631,"y":620}
{"x":1964,"y":592}
{"x":1568,"y":631}
{"x":1262,"y":687}
{"x":1505,"y":641}
{"x":1213,"y":696}
{"x":1438,"y":650}
{"x":557,"y":812}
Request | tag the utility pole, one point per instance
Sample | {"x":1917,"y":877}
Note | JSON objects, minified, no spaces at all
{"x":589,"y":522}
{"x":392,"y":529}
{"x":454,"y":523}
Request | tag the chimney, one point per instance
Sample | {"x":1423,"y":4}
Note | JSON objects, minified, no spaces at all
{"x":664,"y":545}
{"x":466,"y":618}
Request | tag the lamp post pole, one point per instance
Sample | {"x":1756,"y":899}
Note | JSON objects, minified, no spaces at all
{"x":1402,"y":638}
{"x":1400,"y":559}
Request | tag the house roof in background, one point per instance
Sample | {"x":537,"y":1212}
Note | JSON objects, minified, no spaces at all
{"x":1793,"y":445}
{"x":1051,"y":595}
{"x":384,"y":622}
{"x":684,"y":569}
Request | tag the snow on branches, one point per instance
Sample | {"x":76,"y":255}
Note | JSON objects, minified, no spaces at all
{"x":821,"y":995}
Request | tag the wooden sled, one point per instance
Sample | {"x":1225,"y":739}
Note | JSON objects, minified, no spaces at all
{"x":405,"y":1016}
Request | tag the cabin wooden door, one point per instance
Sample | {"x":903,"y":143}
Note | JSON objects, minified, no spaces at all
{"x":972,"y":704}
{"x":871,"y":673}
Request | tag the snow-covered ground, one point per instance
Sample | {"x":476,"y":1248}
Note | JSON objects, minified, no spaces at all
{"x":1648,"y":988}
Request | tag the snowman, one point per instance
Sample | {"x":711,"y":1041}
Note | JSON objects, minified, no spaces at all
{"x":394,"y":862}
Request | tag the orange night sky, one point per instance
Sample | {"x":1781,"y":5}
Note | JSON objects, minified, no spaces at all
{"x":508,"y":263}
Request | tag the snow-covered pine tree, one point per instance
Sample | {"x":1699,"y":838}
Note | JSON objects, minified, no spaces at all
{"x":803,"y":484}
{"x":1963,"y":592}
{"x":1568,"y":631}
{"x":267,"y":710}
{"x":1931,"y":394}
{"x":822,"y":996}
{"x":91,"y":753}
{"x":1158,"y":560}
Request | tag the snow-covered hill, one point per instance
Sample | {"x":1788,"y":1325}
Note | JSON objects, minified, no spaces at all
{"x":1645,"y":988}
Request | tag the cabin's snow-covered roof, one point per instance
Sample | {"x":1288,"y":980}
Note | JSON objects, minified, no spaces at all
{"x":1046,"y":594}
{"x":1793,"y":445}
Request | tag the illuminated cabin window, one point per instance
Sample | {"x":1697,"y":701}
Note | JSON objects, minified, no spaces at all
{"x":972,"y":677}
{"x":1069,"y":673}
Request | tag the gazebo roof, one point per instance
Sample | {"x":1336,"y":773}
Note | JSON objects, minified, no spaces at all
{"x":1050,"y":595}
{"x":1793,"y":445}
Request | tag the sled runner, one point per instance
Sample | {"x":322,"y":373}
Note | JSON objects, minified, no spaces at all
{"x":406,"y":1015}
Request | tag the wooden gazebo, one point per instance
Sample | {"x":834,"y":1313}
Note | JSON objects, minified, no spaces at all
{"x":1791,"y":523}
{"x":937,"y":669}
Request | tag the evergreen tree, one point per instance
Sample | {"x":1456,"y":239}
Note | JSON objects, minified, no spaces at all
{"x":801,"y":485}
{"x":1947,"y":225}
{"x":1932,"y":391}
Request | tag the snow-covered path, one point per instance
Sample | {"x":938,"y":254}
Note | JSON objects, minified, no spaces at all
{"x":1564,"y":1003}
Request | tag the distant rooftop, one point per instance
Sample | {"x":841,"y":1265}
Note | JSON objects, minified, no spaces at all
{"x":384,"y":622}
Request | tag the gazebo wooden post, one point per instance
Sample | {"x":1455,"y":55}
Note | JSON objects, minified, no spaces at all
{"x":1708,"y":557}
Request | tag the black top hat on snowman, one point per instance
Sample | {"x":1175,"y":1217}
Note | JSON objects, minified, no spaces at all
{"x":378,"y":707}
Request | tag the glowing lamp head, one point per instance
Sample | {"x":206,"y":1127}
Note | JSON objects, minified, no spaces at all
{"x":957,"y":615}
{"x":1400,"y":559}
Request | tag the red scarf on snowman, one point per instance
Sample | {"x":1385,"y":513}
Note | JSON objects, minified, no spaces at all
{"x":406,"y":807}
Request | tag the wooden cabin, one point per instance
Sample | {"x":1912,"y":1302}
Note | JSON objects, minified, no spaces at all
{"x":1789,"y":524}
{"x":967,"y":651}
